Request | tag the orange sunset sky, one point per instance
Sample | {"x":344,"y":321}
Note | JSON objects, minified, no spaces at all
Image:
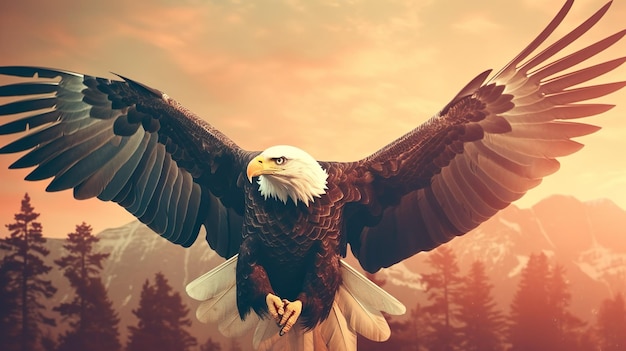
{"x":337,"y":78}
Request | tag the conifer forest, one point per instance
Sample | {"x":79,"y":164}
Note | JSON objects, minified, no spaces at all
{"x":459,"y":312}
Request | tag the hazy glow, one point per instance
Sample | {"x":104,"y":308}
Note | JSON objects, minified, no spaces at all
{"x":338,"y":79}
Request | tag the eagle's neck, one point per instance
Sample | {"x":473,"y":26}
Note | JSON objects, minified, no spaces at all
{"x":301,"y":185}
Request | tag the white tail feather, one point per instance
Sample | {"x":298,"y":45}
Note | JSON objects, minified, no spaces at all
{"x":361,"y":319}
{"x":213,"y":282}
{"x":335,"y":331}
{"x":218,"y":292}
{"x":214,"y":309}
{"x":233,"y":327}
{"x":264,"y":331}
{"x":369,"y":293}
{"x":356,"y":310}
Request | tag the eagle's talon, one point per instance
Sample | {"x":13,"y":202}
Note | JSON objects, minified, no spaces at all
{"x":275,"y":307}
{"x":289,"y":318}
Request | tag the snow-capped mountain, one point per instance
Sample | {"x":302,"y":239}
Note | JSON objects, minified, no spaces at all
{"x":588,"y":239}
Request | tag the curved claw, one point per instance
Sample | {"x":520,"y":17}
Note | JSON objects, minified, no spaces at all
{"x":275,"y":307}
{"x":289,"y":318}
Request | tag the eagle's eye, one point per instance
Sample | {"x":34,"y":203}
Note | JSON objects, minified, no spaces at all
{"x":280,"y":160}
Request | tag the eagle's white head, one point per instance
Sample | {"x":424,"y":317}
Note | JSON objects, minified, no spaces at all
{"x":287,"y":172}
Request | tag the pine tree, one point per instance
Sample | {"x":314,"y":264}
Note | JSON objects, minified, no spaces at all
{"x":483,"y":323}
{"x":567,"y":329}
{"x":149,"y":323}
{"x":48,"y":342}
{"x":162,"y":319}
{"x":411,"y":334}
{"x":81,"y":263}
{"x":9,"y":313}
{"x":611,"y":324}
{"x":530,"y":327}
{"x":24,"y":270}
{"x":540,"y":309}
{"x":93,"y":321}
{"x":443,"y":288}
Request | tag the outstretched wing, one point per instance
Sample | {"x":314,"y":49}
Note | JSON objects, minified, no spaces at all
{"x":484,"y":150}
{"x":122,"y":141}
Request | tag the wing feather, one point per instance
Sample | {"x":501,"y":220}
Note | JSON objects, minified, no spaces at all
{"x":152,"y":183}
{"x":485,"y":149}
{"x":73,"y":154}
{"x":483,"y":206}
{"x":45,"y":152}
{"x":160,"y":187}
{"x":173,"y":214}
{"x":567,"y":80}
{"x":174,"y":221}
{"x":22,"y":124}
{"x":123,"y":175}
{"x":491,"y":193}
{"x":195,"y":209}
{"x":453,"y":204}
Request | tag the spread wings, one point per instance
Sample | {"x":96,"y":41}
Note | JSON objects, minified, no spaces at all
{"x":124,"y":142}
{"x":494,"y":141}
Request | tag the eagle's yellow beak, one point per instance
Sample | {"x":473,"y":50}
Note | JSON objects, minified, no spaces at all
{"x":258,"y":166}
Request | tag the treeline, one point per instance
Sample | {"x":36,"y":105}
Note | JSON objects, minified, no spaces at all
{"x":462,"y":315}
{"x":90,"y":321}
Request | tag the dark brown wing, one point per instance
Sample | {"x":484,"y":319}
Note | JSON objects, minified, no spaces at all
{"x":484,"y":150}
{"x":124,"y":142}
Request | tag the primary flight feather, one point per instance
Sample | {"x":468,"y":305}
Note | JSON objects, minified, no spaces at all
{"x":284,"y":219}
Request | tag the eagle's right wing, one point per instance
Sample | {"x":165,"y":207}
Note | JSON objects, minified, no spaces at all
{"x":122,"y":141}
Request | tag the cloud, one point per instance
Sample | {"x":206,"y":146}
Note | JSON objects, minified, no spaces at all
{"x":477,"y":23}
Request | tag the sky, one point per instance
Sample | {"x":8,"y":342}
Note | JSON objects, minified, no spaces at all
{"x":339,"y":79}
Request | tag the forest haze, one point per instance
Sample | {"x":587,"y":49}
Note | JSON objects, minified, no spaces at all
{"x":556,"y":271}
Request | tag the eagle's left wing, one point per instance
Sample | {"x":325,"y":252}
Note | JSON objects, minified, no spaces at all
{"x":121,"y":141}
{"x":484,"y":150}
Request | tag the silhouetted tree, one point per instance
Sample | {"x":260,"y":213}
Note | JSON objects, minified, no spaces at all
{"x":540,"y":319}
{"x":9,"y":313}
{"x":443,"y":286}
{"x":24,"y":270}
{"x":483,"y":324}
{"x":611,"y":325}
{"x":162,"y":319}
{"x":530,"y":323}
{"x":211,"y":345}
{"x":567,"y":329}
{"x":48,"y":342}
{"x":93,"y":321}
{"x":411,"y":334}
{"x":588,"y":340}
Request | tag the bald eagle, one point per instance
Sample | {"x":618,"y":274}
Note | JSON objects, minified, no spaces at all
{"x":284,"y":220}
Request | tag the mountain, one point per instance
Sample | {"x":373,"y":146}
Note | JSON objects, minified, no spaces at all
{"x":587,"y":238}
